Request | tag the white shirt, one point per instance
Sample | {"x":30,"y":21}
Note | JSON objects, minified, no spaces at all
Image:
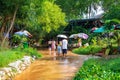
{"x":64,"y":44}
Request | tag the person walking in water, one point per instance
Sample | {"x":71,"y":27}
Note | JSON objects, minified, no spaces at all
{"x":64,"y":47}
{"x":49,"y":46}
{"x":53,"y":46}
{"x":59,"y":48}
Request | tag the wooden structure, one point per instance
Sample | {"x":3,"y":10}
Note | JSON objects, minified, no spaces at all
{"x":85,"y":23}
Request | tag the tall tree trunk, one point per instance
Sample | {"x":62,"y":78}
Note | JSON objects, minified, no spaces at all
{"x":2,"y":28}
{"x":11,"y":25}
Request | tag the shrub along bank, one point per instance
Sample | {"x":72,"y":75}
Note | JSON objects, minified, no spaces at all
{"x":87,"y":50}
{"x":14,"y":54}
{"x":99,"y":69}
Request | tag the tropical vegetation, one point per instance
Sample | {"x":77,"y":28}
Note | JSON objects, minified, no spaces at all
{"x":88,"y":50}
{"x":100,"y":42}
{"x":44,"y":19}
{"x":99,"y":69}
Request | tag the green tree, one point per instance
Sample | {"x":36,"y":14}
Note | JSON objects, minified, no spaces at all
{"x":107,"y":4}
{"x":113,"y":13}
{"x":44,"y":18}
{"x":76,"y":8}
{"x":8,"y":12}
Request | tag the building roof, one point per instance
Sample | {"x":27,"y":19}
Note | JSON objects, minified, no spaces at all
{"x":86,"y":23}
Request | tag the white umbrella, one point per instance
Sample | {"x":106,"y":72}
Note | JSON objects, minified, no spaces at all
{"x":62,"y":36}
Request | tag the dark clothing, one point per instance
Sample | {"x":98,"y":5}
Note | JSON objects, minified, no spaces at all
{"x":64,"y":51}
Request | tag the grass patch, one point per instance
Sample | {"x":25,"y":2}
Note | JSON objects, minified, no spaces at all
{"x":29,"y":51}
{"x":99,"y":69}
{"x":11,"y":55}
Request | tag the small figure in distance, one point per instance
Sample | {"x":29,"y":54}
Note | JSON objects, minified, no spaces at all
{"x":49,"y":46}
{"x":59,"y":48}
{"x":53,"y":46}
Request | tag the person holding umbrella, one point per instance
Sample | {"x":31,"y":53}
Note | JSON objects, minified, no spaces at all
{"x":64,"y":47}
{"x":79,"y":42}
{"x":64,"y":43}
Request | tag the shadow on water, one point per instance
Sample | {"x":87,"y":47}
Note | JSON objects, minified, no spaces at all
{"x":52,"y":67}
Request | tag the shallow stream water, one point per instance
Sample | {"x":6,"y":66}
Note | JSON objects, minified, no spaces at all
{"x":51,"y":67}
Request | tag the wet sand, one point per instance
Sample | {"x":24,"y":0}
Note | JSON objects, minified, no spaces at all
{"x":51,"y":67}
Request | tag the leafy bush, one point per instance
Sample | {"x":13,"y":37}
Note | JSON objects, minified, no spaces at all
{"x":95,"y":72}
{"x":87,"y":50}
{"x":97,"y":69}
{"x":81,"y":51}
{"x":113,"y":12}
{"x":16,"y":38}
{"x":112,"y":64}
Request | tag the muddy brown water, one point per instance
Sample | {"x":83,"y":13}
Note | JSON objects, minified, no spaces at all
{"x":51,"y":67}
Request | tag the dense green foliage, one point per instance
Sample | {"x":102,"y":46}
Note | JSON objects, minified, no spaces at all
{"x":107,"y":4}
{"x":52,"y":17}
{"x":17,"y":39}
{"x":45,"y":18}
{"x":39,"y":17}
{"x":12,"y":55}
{"x":76,"y":8}
{"x":108,"y":41}
{"x":7,"y":7}
{"x":99,"y":69}
{"x":113,"y":13}
{"x":87,"y":50}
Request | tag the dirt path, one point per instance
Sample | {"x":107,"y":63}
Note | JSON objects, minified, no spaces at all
{"x":51,"y":67}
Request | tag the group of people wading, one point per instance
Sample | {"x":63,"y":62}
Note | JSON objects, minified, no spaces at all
{"x":61,"y":47}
